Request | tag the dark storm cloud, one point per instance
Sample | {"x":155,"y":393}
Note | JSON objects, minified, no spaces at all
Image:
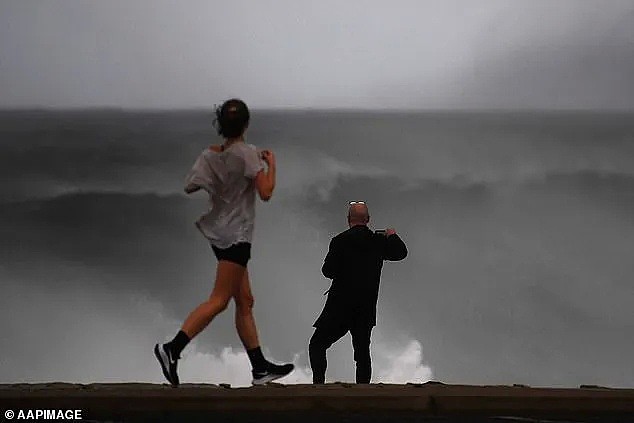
{"x":590,"y":67}
{"x":300,"y":54}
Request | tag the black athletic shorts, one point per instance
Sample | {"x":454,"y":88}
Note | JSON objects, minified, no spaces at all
{"x":239,"y":253}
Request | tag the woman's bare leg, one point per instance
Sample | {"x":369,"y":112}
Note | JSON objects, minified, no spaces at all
{"x":245,"y":322}
{"x":263,"y":370}
{"x":228,"y":278}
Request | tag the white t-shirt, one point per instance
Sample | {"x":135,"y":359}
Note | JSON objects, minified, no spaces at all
{"x":228,"y":177}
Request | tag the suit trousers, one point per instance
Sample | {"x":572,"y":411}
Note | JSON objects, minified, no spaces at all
{"x":326,"y":335}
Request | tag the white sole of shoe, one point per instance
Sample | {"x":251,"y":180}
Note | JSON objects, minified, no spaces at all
{"x":266,"y":379}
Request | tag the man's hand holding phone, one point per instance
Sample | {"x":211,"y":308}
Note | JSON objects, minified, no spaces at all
{"x":386,"y":232}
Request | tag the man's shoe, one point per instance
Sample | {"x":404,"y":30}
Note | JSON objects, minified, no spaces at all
{"x":272,"y":373}
{"x":168,"y":363}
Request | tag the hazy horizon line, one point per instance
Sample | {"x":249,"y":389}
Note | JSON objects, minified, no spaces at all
{"x":314,"y":109}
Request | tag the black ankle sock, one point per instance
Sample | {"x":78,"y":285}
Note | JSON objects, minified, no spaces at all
{"x":258,"y":362}
{"x":177,"y":344}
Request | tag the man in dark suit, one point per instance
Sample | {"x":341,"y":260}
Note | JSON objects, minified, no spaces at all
{"x":354,"y":261}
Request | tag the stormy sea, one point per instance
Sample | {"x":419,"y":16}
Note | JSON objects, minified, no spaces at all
{"x":519,"y":225}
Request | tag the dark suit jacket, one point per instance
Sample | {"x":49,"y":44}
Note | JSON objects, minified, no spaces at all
{"x":354,"y":262}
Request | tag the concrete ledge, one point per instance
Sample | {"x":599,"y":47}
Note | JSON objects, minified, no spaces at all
{"x":425,"y":402}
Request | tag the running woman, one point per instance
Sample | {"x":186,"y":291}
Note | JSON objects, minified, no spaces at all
{"x":231,"y":174}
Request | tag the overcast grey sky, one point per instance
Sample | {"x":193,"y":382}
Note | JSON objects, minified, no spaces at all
{"x":296,"y":53}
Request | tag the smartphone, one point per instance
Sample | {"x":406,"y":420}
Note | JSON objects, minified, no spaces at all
{"x":380,"y":231}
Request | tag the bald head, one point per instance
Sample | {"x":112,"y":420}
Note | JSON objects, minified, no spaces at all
{"x":358,"y":214}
